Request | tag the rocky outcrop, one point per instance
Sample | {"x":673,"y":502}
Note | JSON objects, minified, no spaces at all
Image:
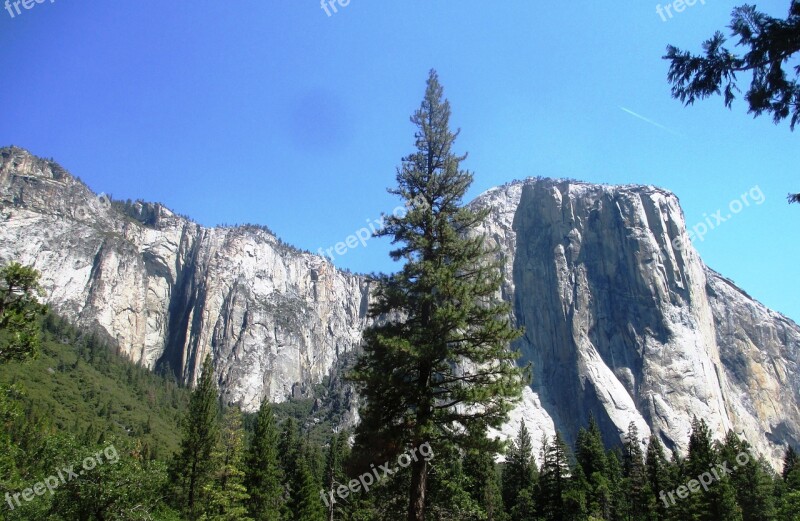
{"x":173,"y":291}
{"x":622,"y":319}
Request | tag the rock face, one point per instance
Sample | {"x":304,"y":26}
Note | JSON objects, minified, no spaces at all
{"x":622,"y":318}
{"x":625,"y":322}
{"x":173,"y":291}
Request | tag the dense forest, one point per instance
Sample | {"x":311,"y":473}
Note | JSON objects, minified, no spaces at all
{"x":78,"y":398}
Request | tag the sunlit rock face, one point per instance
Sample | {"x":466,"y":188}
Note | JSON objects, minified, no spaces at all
{"x":622,"y":319}
{"x":173,"y":291}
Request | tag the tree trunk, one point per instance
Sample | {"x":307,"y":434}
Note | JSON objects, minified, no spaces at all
{"x":419,"y":486}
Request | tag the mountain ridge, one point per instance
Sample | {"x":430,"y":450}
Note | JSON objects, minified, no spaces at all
{"x":618,"y":319}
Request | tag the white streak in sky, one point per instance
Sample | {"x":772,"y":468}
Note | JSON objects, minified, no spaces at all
{"x":659,"y":125}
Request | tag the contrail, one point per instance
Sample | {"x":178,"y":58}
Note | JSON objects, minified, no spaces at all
{"x":659,"y":125}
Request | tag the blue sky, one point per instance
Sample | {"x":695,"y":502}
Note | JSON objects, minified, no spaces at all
{"x":275,"y":113}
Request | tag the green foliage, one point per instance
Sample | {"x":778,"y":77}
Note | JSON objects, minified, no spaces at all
{"x":140,"y":211}
{"x":440,"y":369}
{"x":520,"y":474}
{"x":335,"y":475}
{"x":753,"y":482}
{"x":192,"y":468}
{"x":789,"y":507}
{"x":770,"y":42}
{"x":483,"y":483}
{"x":124,"y":487}
{"x":791,"y":468}
{"x":79,"y":399}
{"x":589,"y":450}
{"x":77,"y":385}
{"x":448,"y":487}
{"x":263,"y":474}
{"x":637,"y":492}
{"x":658,"y":477}
{"x":226,"y":492}
{"x":553,"y":481}
{"x":19,"y":311}
{"x":305,"y":503}
{"x":592,"y":469}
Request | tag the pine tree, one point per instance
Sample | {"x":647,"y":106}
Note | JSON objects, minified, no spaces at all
{"x":19,"y":311}
{"x":719,"y":503}
{"x":614,"y":509}
{"x":312,"y":454}
{"x":525,"y":506}
{"x":448,"y":489}
{"x":335,"y":474}
{"x":263,"y":471}
{"x":751,"y":481}
{"x":302,"y":469}
{"x":483,"y":483}
{"x":637,"y":491}
{"x":289,"y":456}
{"x":192,"y":468}
{"x":553,"y":481}
{"x":520,"y":472}
{"x":591,"y":458}
{"x":575,"y":507}
{"x":791,"y":469}
{"x":658,"y":478}
{"x":289,"y":447}
{"x":770,"y":45}
{"x":305,"y":504}
{"x":589,"y":450}
{"x":226,"y":492}
{"x":438,"y":368}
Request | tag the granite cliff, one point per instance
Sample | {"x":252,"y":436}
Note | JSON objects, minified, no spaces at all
{"x":622,"y":318}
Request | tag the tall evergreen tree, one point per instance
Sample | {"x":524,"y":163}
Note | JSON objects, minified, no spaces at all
{"x":658,"y":477}
{"x":448,"y":489}
{"x":226,"y":492}
{"x":591,"y":458}
{"x":303,"y":474}
{"x":192,"y":468}
{"x":335,"y":474}
{"x":289,"y":454}
{"x":791,"y":466}
{"x":438,"y":368}
{"x":520,"y":472}
{"x":554,"y":480}
{"x":589,"y":449}
{"x":305,"y":503}
{"x":637,"y":491}
{"x":719,"y":503}
{"x":751,"y":481}
{"x":289,"y":447}
{"x":483,"y":483}
{"x":264,"y":475}
{"x":19,"y":340}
